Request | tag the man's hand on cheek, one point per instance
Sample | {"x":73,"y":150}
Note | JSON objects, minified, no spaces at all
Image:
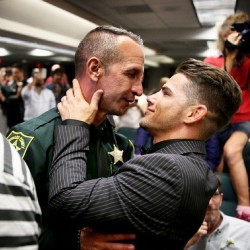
{"x":74,"y":106}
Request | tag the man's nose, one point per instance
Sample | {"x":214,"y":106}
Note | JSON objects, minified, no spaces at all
{"x":137,"y":89}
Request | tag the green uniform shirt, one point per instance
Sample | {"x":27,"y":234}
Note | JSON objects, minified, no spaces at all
{"x":33,"y":139}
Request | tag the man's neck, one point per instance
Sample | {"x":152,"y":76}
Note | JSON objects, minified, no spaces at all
{"x":212,"y":226}
{"x":38,"y":89}
{"x":99,"y":118}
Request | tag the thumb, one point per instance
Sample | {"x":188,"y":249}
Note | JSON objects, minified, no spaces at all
{"x":95,"y":99}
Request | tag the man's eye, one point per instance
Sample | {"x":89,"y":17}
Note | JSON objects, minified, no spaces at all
{"x":131,"y":75}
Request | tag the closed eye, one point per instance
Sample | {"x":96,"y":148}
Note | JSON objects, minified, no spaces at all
{"x":132,"y":75}
{"x":166,"y":90}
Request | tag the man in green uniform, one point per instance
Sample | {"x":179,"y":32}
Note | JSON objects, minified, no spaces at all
{"x":110,"y":59}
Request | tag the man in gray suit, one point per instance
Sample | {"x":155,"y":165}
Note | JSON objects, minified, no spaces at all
{"x":161,"y":196}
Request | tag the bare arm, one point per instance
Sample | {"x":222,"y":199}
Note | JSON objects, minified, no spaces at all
{"x":201,"y":232}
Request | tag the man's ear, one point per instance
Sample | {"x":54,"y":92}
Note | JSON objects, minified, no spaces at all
{"x":94,"y":67}
{"x":195,"y":113}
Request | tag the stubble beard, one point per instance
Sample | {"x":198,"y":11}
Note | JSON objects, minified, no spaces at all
{"x":144,"y":123}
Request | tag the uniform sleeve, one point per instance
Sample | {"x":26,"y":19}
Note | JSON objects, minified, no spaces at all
{"x":131,"y":194}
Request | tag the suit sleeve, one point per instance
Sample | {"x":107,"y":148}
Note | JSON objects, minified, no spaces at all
{"x":131,"y":194}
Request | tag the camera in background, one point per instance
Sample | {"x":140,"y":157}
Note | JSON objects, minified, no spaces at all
{"x":244,"y":30}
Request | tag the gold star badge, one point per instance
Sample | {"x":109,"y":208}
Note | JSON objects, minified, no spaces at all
{"x":117,"y":154}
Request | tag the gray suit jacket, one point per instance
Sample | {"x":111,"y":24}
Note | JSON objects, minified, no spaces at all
{"x":160,"y":196}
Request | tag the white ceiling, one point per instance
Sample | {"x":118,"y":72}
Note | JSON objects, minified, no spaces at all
{"x":170,"y":27}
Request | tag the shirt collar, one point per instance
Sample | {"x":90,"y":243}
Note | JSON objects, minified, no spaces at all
{"x":157,"y":146}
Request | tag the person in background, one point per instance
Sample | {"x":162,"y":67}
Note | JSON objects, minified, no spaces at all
{"x":37,"y":99}
{"x":56,"y":86}
{"x":161,"y":196}
{"x":228,"y":144}
{"x":13,"y":104}
{"x":107,"y":58}
{"x":20,"y":212}
{"x":128,"y":123}
{"x":64,"y":80}
{"x":3,"y":119}
{"x":5,"y":77}
{"x":220,"y":231}
{"x":143,"y":139}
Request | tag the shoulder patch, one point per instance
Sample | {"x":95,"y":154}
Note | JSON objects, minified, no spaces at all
{"x":20,"y":141}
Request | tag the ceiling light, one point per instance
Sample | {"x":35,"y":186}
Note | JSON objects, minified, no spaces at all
{"x":151,"y":63}
{"x":4,"y":52}
{"x":149,"y":51}
{"x":209,"y":12}
{"x":28,"y":44}
{"x":161,"y":59}
{"x":41,"y":52}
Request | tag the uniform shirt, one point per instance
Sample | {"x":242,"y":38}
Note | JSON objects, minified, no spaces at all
{"x":19,"y":208}
{"x":231,"y":230}
{"x":37,"y":103}
{"x":161,"y":196}
{"x":34,"y":140}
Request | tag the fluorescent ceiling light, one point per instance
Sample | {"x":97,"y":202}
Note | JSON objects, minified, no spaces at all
{"x":151,"y":63}
{"x":210,"y":12}
{"x":62,"y":58}
{"x":4,"y":52}
{"x":33,"y":45}
{"x":41,"y":52}
{"x":148,"y":51}
{"x":161,"y":59}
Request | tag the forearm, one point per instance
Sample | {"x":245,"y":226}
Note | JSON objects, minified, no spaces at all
{"x":69,"y":192}
{"x":69,"y":162}
{"x":127,"y":193}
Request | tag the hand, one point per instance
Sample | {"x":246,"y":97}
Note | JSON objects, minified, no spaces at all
{"x":234,"y":38}
{"x":201,"y":232}
{"x":2,"y":97}
{"x":74,"y":106}
{"x":90,"y":240}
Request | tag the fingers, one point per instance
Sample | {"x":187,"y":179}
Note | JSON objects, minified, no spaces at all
{"x":77,"y":89}
{"x":63,"y":112}
{"x":117,"y":246}
{"x":64,"y":98}
{"x":118,"y":237}
{"x":74,"y":106}
{"x":70,"y":94}
{"x":101,"y":241}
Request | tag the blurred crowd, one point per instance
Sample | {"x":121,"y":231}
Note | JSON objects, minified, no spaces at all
{"x":23,"y":96}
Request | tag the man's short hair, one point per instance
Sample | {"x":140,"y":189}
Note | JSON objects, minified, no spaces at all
{"x":213,"y":87}
{"x":101,"y":42}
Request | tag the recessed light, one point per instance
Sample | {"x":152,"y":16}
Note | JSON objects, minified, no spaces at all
{"x":4,"y":52}
{"x":41,"y":52}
